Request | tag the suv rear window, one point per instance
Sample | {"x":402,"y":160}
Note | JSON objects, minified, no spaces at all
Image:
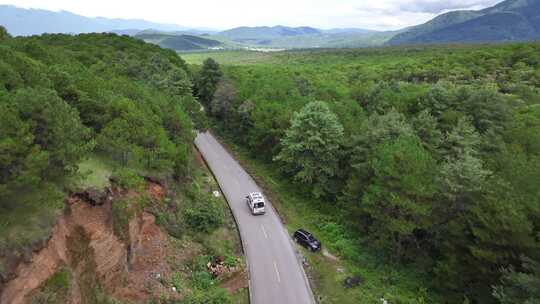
{"x":259,"y":205}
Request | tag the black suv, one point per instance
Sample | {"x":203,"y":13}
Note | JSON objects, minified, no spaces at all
{"x":307,"y":240}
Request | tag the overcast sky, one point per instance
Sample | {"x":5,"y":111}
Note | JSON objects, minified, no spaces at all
{"x":223,"y":14}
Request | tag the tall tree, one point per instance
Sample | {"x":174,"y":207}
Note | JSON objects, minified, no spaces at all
{"x":56,"y":127}
{"x":21,"y":161}
{"x":426,"y":128}
{"x":488,"y":108}
{"x":311,"y":148}
{"x":4,"y":35}
{"x":489,"y":234}
{"x":463,"y":138}
{"x":376,"y":130}
{"x":222,"y":102}
{"x":398,"y":200}
{"x":207,"y":81}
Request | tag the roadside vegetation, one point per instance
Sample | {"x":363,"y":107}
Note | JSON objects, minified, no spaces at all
{"x":418,"y":166}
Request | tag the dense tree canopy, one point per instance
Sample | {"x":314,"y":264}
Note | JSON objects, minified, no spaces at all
{"x":63,"y":97}
{"x":432,"y":156}
{"x":520,"y":287}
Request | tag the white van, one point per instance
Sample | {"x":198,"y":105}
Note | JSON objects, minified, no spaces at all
{"x":255,"y":202}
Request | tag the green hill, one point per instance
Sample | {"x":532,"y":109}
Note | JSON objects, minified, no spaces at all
{"x":262,"y":33}
{"x":178,"y":42}
{"x":511,"y":20}
{"x":24,"y":22}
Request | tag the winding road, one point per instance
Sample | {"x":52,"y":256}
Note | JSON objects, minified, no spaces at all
{"x":275,"y":271}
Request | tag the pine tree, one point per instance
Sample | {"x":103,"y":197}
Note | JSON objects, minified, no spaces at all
{"x":463,"y":138}
{"x":207,"y":81}
{"x":376,"y":130}
{"x":311,"y":148}
{"x":520,"y":286}
{"x":4,"y":35}
{"x":223,"y":99}
{"x":398,"y":200}
{"x":426,"y":127}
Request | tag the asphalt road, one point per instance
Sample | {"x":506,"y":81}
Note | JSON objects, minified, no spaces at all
{"x":276,"y":274}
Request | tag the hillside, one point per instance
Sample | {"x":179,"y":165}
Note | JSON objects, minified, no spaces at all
{"x":511,"y":20}
{"x":180,"y":42}
{"x":257,"y":35}
{"x":25,"y":22}
{"x":102,"y":197}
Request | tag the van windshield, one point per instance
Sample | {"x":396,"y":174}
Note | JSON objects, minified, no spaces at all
{"x":259,"y":205}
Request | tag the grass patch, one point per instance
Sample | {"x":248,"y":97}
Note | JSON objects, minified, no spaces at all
{"x":396,"y":283}
{"x":239,"y":57}
{"x":55,"y":290}
{"x":95,"y":172}
{"x":241,"y":296}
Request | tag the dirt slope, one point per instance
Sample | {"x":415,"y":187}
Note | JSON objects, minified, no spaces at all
{"x":83,"y":240}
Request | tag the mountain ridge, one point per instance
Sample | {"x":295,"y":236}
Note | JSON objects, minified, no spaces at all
{"x":179,"y":42}
{"x":510,"y":20}
{"x":25,"y":22}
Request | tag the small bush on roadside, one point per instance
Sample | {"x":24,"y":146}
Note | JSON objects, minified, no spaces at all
{"x":205,"y":215}
{"x":230,"y":260}
{"x":214,"y":295}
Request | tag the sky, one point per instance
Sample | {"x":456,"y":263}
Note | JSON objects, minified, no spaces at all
{"x":225,"y":14}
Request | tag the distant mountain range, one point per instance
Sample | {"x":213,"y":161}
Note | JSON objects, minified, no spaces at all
{"x":302,"y":37}
{"x":257,"y":34}
{"x":510,"y":20}
{"x":24,"y":22}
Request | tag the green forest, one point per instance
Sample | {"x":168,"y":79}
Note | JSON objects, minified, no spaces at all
{"x":424,"y":159}
{"x":63,"y":97}
{"x":419,"y":167}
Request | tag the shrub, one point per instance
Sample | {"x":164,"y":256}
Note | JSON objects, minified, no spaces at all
{"x":176,"y":281}
{"x":205,"y":215}
{"x":202,"y":280}
{"x":172,"y":222}
{"x":128,"y":178}
{"x":211,"y":296}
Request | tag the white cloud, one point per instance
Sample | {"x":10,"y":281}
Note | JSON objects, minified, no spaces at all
{"x":373,"y":14}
